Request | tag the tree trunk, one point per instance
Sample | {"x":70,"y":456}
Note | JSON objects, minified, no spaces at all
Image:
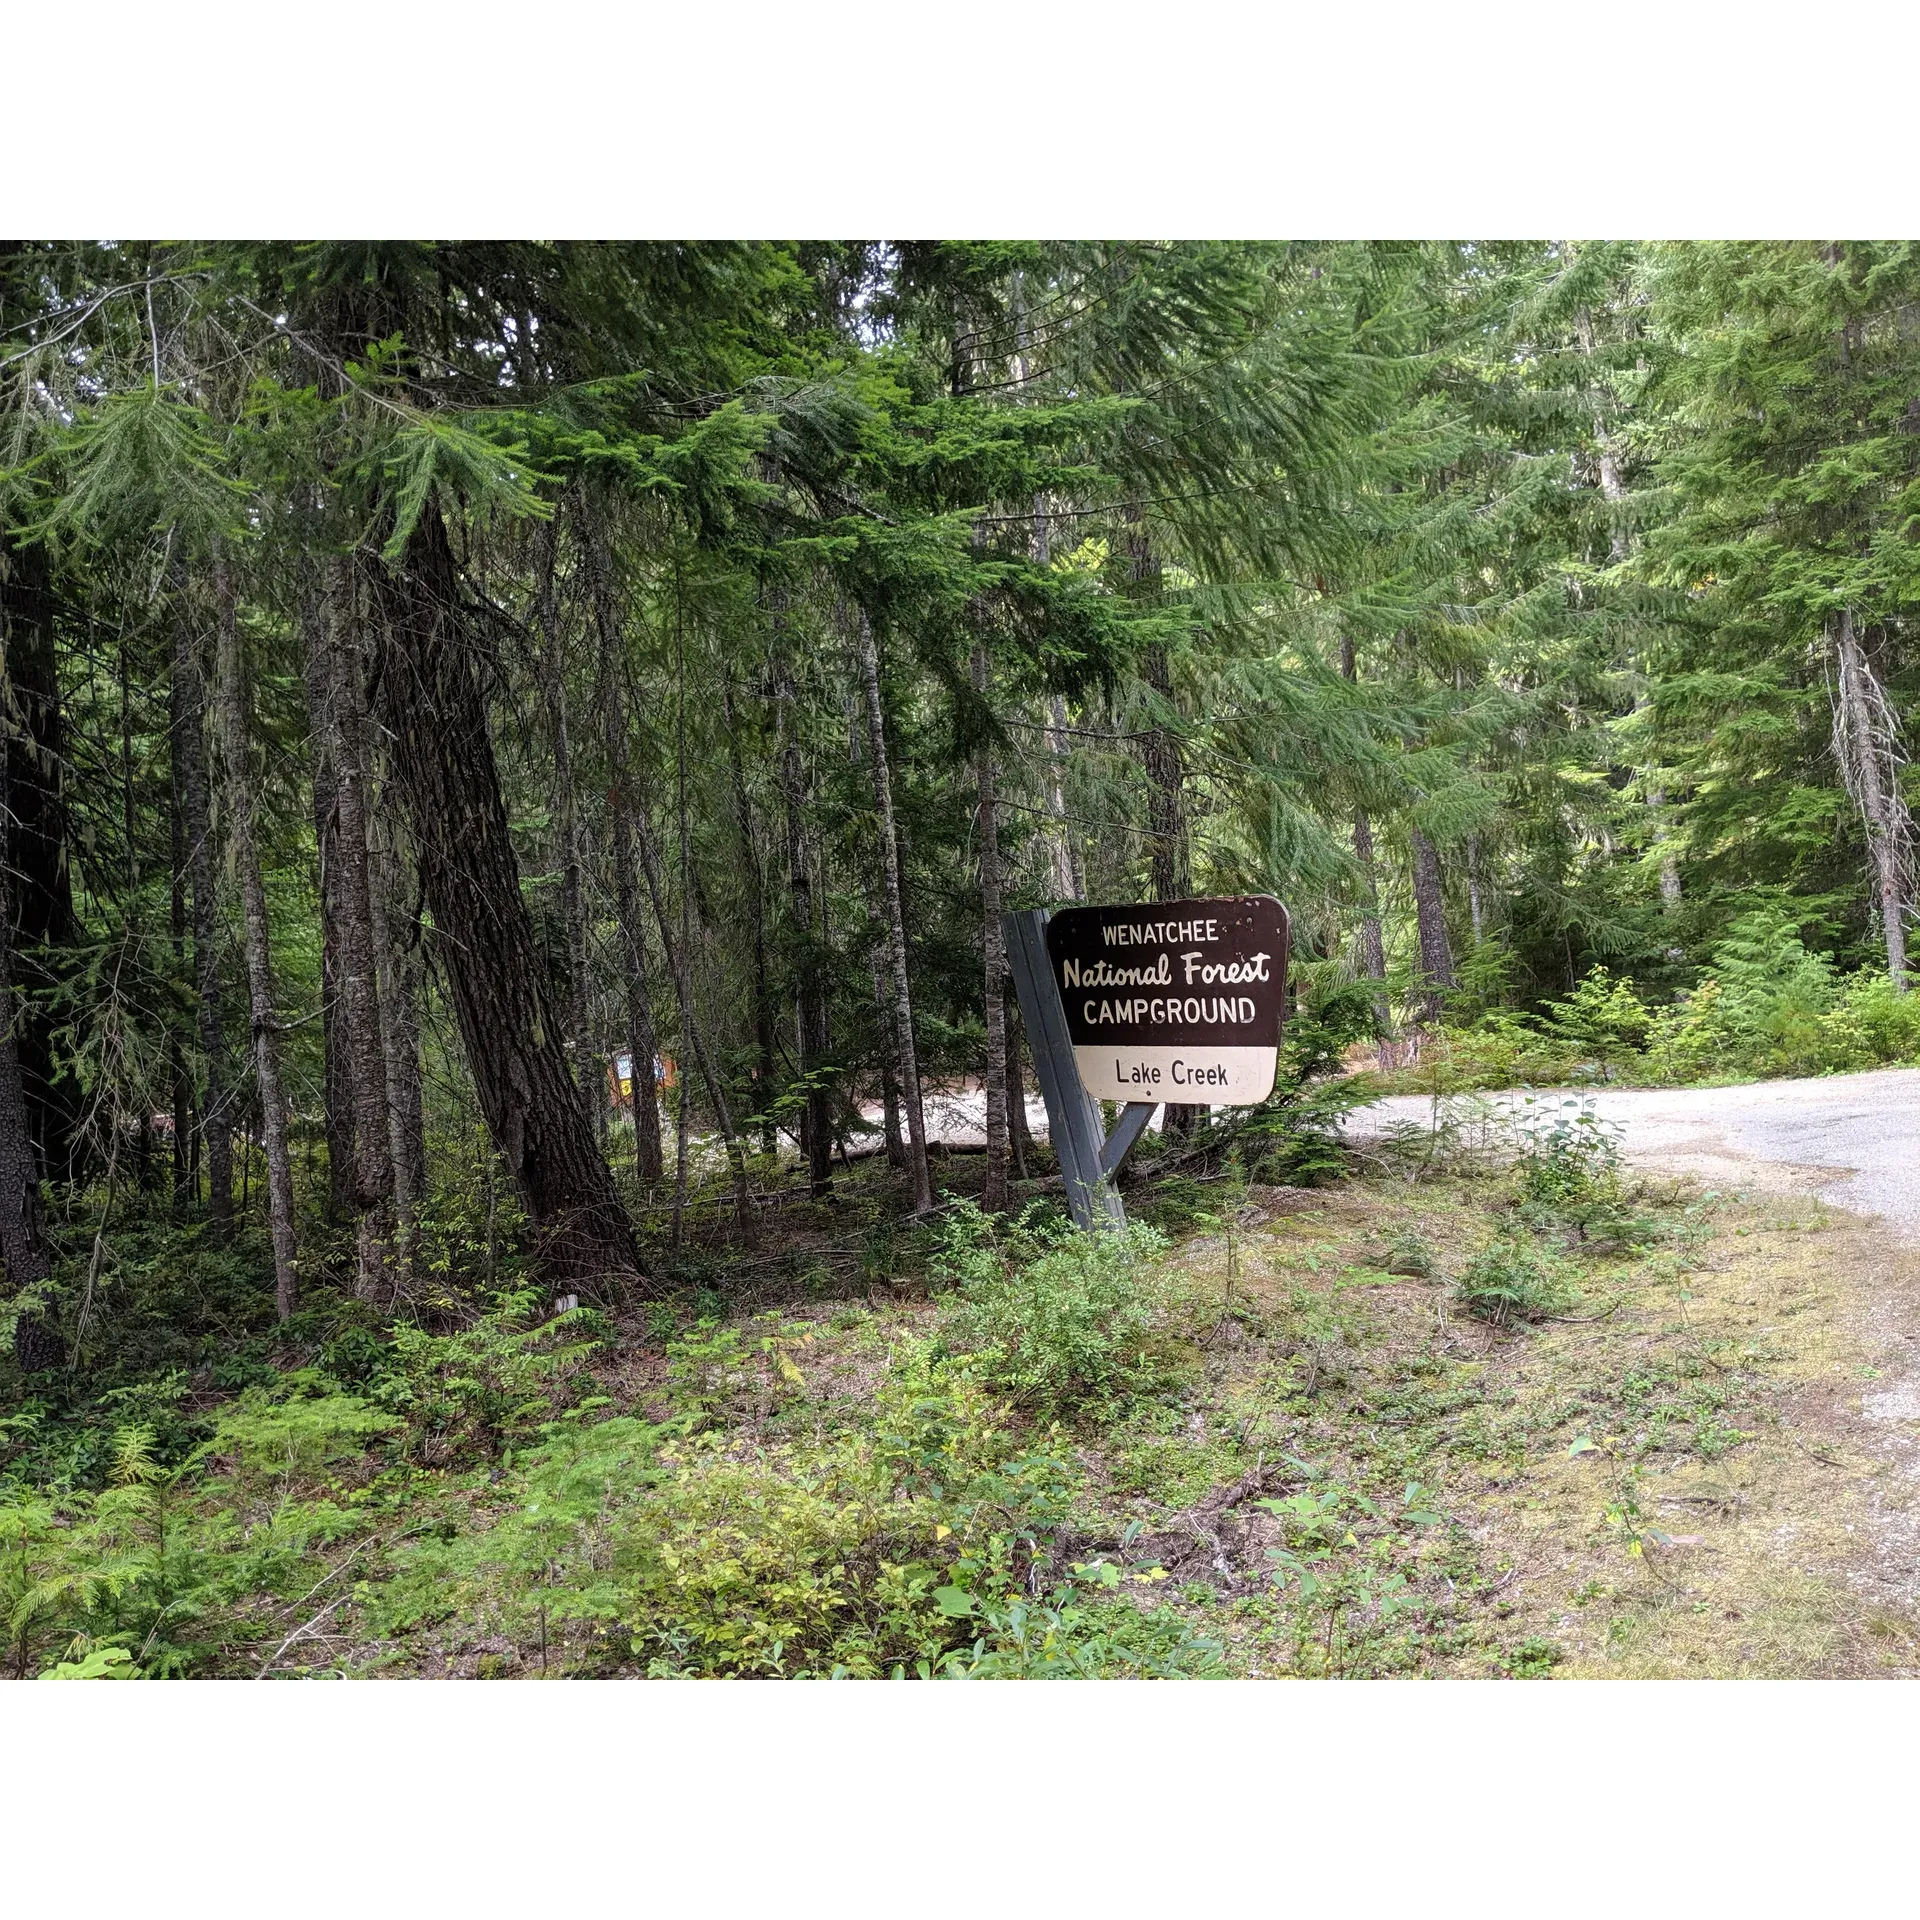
{"x":234,"y":706}
{"x":906,"y":1053}
{"x":679,"y":967}
{"x":1429,"y":905}
{"x":893,"y":1134}
{"x":1019,"y":1134}
{"x":23,"y":1226}
{"x":443,"y":764}
{"x":993,"y":946}
{"x":375,"y":1222}
{"x":186,"y":1176}
{"x":643,"y":1045}
{"x":1473,"y":886}
{"x":42,"y":889}
{"x":1866,"y":736}
{"x":396,"y":940}
{"x":1171,"y":874}
{"x":587,"y":1072}
{"x":1608,"y":452}
{"x":1063,"y":858}
{"x":1171,"y":870}
{"x":810,"y":1011}
{"x":1373,"y":951}
{"x":336,"y":1070}
{"x":216,"y":1115}
{"x":756,"y":923}
{"x":1669,"y":866}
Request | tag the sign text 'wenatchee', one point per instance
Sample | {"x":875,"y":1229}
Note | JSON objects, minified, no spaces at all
{"x":1180,"y":1001}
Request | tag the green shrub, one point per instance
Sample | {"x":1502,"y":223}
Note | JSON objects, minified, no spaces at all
{"x":897,"y":1547}
{"x":1887,"y":1021}
{"x":1503,"y":1049}
{"x":468,"y":1394}
{"x":1410,"y":1254}
{"x":1567,"y":1172}
{"x":1055,"y":1319}
{"x":1603,"y":1020}
{"x":1345,"y":1567}
{"x":173,"y":1563}
{"x":1767,"y":1007}
{"x":1065,"y":1635}
{"x":1512,"y":1281}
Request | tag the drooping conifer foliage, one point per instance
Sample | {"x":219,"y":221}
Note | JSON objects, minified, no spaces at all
{"x":515,"y":752}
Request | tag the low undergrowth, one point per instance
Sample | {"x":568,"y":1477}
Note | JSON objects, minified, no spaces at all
{"x":1767,"y":1007}
{"x":1288,"y":1432}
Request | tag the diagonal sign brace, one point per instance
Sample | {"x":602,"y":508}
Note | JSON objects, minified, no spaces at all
{"x":1180,"y":1001}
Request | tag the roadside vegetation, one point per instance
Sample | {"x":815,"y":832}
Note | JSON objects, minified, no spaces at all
{"x":1474,"y":1409}
{"x":1766,"y":1007}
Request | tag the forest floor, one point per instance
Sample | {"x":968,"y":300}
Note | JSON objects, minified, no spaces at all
{"x":1281,"y":1440}
{"x":1707,"y":1467}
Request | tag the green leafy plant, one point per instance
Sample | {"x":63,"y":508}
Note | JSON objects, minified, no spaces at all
{"x":1567,"y":1172}
{"x":1343,"y":1587}
{"x":1513,"y":1281}
{"x":1055,"y":1319}
{"x":469,"y":1394}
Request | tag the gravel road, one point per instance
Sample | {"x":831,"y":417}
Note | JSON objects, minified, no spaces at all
{"x":1853,"y":1139}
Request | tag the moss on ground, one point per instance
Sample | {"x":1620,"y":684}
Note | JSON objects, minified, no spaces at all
{"x":1676,"y":1478}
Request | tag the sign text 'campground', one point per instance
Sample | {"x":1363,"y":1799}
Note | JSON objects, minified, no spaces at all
{"x":1180,"y":1001}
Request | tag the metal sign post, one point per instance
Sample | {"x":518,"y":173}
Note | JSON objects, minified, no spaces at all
{"x":1073,"y":1119}
{"x":1182,"y":1000}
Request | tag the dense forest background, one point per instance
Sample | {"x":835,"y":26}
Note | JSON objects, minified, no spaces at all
{"x":441,"y":679}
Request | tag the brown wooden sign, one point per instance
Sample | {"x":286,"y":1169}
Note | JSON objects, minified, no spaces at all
{"x":1179,"y":1002}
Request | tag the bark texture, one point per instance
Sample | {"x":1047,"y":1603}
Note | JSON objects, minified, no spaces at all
{"x":235,"y":708}
{"x":375,"y":1225}
{"x":1429,"y":906}
{"x":643,"y":1044}
{"x":216,"y":1114}
{"x":756,"y":890}
{"x":810,"y":1005}
{"x":1063,"y":857}
{"x":1019,"y":1133}
{"x":1170,"y":875}
{"x":1171,"y":870}
{"x":553,"y":688}
{"x":1866,"y":734}
{"x":23,"y":1227}
{"x":993,"y":946}
{"x":434,"y":706}
{"x":680,"y":967}
{"x":1373,"y":952}
{"x":42,"y":883}
{"x":186,"y":1176}
{"x":396,"y":936}
{"x":1160,"y":753}
{"x":336,"y":1073}
{"x":905,"y":1052}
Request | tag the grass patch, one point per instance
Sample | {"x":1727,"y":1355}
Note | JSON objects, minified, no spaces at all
{"x":1414,"y":1423}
